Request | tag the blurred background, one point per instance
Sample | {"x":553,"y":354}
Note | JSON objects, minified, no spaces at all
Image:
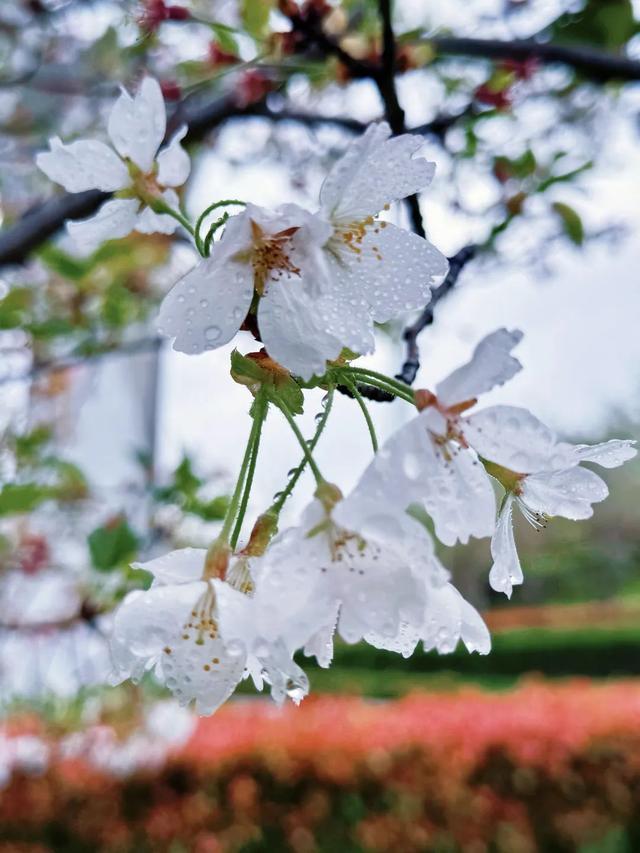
{"x":113,"y":447}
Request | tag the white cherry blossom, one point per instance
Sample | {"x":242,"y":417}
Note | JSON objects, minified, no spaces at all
{"x":321,"y":279}
{"x":201,"y":637}
{"x":542,"y":476}
{"x":131,"y":167}
{"x":431,"y":461}
{"x":363,"y":569}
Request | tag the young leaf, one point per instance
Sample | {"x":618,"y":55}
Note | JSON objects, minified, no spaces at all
{"x":16,"y":498}
{"x":571,"y":222}
{"x":113,"y":544}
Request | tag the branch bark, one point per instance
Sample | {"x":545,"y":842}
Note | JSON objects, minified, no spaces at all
{"x":593,"y":64}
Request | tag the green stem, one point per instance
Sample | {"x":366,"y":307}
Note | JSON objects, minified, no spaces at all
{"x":254,"y":437}
{"x":357,"y":396}
{"x":163,"y":207}
{"x":259,"y":417}
{"x":206,"y":246}
{"x":388,"y":386}
{"x":216,"y":204}
{"x":276,"y":507}
{"x":303,"y":444}
{"x":398,"y":388}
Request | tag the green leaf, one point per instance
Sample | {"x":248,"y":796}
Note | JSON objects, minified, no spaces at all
{"x":113,"y":544}
{"x":571,"y":222}
{"x":16,"y":498}
{"x":609,"y":24}
{"x":213,"y":510}
{"x":63,"y":264}
{"x":225,"y":36}
{"x":27,"y":447}
{"x":255,"y":16}
{"x":14,"y":307}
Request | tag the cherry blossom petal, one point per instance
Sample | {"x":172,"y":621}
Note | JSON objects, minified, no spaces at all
{"x":83,"y":165}
{"x":568,"y":493}
{"x":115,"y":219}
{"x":448,"y":481}
{"x":205,"y":309}
{"x":174,"y":163}
{"x":295,"y":330}
{"x":180,"y":566}
{"x":320,"y":644}
{"x":490,"y":365}
{"x":609,"y":454}
{"x":150,"y":222}
{"x":450,"y":618}
{"x":149,"y":628}
{"x":392,"y":270}
{"x":514,"y":438}
{"x":506,"y":570}
{"x":374,"y":171}
{"x":137,"y":125}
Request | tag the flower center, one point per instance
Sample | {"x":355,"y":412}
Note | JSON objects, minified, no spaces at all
{"x":269,"y":255}
{"x":202,"y":622}
{"x":538,"y":520}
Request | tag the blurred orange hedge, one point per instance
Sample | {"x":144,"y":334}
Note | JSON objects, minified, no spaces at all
{"x":544,"y":767}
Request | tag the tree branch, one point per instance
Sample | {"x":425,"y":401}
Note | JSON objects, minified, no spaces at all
{"x":385,"y":80}
{"x":42,"y":221}
{"x":593,"y":64}
{"x":412,"y":362}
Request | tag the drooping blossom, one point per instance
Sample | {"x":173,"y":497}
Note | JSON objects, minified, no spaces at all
{"x":320,"y":280}
{"x":133,"y":169}
{"x":430,"y":459}
{"x":373,"y":575}
{"x":200,"y":636}
{"x":542,"y":477}
{"x":446,"y":457}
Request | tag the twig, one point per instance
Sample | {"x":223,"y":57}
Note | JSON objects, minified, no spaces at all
{"x":385,"y":80}
{"x":411,"y":364}
{"x":593,"y":64}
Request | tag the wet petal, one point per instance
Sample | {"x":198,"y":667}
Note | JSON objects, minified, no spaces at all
{"x":151,"y":629}
{"x":137,"y":125}
{"x":295,"y":330}
{"x":506,"y":570}
{"x":181,"y":566}
{"x":514,"y":438}
{"x":174,"y":164}
{"x":568,"y":493}
{"x":374,"y":171}
{"x":205,"y":309}
{"x":83,"y":165}
{"x":447,"y":480}
{"x":115,"y":219}
{"x":449,"y":619}
{"x":609,"y":454}
{"x":150,"y":222}
{"x":391,"y":270}
{"x":490,"y":365}
{"x":320,"y":645}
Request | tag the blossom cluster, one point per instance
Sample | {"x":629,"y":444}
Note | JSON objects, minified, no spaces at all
{"x":310,"y":286}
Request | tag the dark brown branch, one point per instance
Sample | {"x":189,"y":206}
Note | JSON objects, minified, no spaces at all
{"x":412,"y":362}
{"x":385,"y":80}
{"x":593,"y":64}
